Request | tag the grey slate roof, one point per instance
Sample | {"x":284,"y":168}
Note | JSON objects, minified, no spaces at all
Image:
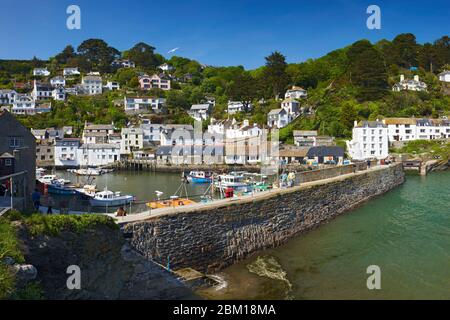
{"x":325,"y":151}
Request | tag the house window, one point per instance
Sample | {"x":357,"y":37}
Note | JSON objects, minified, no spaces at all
{"x":8,"y":162}
{"x":14,"y":142}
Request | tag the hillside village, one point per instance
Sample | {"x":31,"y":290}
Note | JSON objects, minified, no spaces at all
{"x":90,"y":110}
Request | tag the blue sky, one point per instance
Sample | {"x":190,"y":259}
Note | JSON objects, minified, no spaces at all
{"x":226,"y":33}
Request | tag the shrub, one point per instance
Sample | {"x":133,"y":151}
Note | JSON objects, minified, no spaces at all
{"x":53,"y":224}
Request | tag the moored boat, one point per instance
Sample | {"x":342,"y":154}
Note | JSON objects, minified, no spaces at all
{"x":234,"y":181}
{"x":174,"y":201}
{"x":199,"y":177}
{"x":88,"y":191}
{"x":109,"y":198}
{"x":59,"y":188}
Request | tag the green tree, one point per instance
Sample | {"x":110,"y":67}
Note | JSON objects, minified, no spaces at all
{"x":242,"y":89}
{"x":143,"y":55}
{"x":348,"y":115}
{"x":276,"y":78}
{"x":97,"y":53}
{"x":65,"y":55}
{"x":367,"y":70}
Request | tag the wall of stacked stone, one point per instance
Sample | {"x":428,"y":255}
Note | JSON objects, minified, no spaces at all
{"x":215,"y":237}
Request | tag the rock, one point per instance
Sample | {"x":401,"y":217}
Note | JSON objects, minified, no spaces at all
{"x":9,"y":261}
{"x":25,"y":272}
{"x":128,"y":254}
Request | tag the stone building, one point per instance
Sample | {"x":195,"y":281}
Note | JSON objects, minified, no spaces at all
{"x":45,"y":154}
{"x":19,"y":144}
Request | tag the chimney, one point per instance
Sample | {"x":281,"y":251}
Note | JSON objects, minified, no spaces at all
{"x":402,"y":77}
{"x":416,"y":78}
{"x":246,"y":123}
{"x":355,"y":123}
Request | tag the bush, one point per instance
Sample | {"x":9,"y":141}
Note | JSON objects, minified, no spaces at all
{"x":52,"y":225}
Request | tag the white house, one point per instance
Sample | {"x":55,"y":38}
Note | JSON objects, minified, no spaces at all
{"x":7,"y":96}
{"x":66,"y":150}
{"x":165,"y":67}
{"x":305,"y":138}
{"x":59,"y":93}
{"x":369,"y":140}
{"x":41,"y":91}
{"x":112,"y":85}
{"x":152,"y":132}
{"x":296,"y":93}
{"x":200,"y":112}
{"x":408,"y":129}
{"x":401,"y":129}
{"x":177,"y":135}
{"x":98,"y":154}
{"x":132,"y":140}
{"x":143,"y":104}
{"x":23,"y":104}
{"x":245,"y":130}
{"x":237,"y":106}
{"x":41,"y":72}
{"x":278,"y":118}
{"x":430,"y":129}
{"x":211,"y":101}
{"x":70,"y":72}
{"x":123,"y":63}
{"x":92,"y":85}
{"x":444,"y":76}
{"x":410,"y":84}
{"x":292,"y":106}
{"x":58,"y":81}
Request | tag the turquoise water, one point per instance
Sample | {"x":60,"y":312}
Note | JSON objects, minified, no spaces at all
{"x":406,"y":232}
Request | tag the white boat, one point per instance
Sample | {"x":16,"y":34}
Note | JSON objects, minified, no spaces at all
{"x":40,"y":173}
{"x":234,"y":181}
{"x":109,"y":198}
{"x":88,"y":172}
{"x":48,"y":179}
{"x":88,"y":190}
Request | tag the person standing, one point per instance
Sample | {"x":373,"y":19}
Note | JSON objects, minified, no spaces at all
{"x":36,"y":198}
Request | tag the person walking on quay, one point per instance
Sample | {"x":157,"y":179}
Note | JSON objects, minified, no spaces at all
{"x":36,"y":198}
{"x":50,"y":205}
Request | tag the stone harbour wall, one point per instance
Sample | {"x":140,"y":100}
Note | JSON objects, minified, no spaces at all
{"x":215,"y":237}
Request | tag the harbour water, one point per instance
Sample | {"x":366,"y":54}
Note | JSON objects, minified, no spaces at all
{"x":405,"y":232}
{"x":142,"y":185}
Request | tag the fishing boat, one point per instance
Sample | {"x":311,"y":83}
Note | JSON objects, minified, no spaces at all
{"x":56,"y":187}
{"x":109,"y":198}
{"x":51,"y":178}
{"x":199,"y":177}
{"x":88,"y":191}
{"x":233,"y":180}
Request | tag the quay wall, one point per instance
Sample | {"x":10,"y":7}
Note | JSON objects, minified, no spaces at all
{"x":214,"y":237}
